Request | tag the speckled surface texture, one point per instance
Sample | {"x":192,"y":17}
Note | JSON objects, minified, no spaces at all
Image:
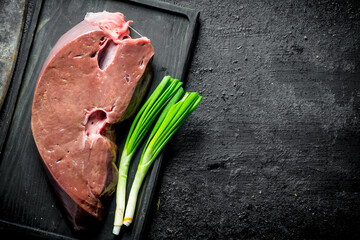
{"x":10,"y":36}
{"x":273,"y":150}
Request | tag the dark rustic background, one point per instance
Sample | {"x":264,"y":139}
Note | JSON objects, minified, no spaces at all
{"x":273,"y":151}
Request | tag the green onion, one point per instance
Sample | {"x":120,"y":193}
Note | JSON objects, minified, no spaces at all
{"x":165,"y":91}
{"x":172,"y":117}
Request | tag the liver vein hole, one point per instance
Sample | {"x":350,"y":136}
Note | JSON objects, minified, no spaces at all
{"x":106,"y":54}
{"x":95,"y":123}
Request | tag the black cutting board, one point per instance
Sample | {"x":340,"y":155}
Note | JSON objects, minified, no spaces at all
{"x":28,"y":205}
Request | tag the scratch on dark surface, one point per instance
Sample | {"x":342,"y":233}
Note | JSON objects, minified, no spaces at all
{"x":214,"y":166}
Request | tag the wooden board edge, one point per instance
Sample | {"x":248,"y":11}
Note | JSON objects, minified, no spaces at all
{"x":16,"y":229}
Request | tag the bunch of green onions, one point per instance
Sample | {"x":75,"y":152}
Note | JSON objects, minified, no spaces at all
{"x":174,"y":112}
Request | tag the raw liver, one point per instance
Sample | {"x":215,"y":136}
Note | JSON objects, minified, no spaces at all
{"x":95,"y":76}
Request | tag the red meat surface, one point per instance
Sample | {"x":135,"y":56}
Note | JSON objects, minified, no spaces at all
{"x":95,"y":76}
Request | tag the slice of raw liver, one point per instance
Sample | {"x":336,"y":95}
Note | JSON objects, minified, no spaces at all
{"x":95,"y":76}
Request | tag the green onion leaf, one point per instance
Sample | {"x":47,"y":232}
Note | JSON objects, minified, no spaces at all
{"x":172,"y":117}
{"x":165,"y":91}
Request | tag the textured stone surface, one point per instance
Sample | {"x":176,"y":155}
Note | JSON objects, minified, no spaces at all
{"x":273,"y":150}
{"x":11,"y":23}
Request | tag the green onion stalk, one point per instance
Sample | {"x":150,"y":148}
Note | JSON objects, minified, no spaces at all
{"x":172,"y":117}
{"x":163,"y":93}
